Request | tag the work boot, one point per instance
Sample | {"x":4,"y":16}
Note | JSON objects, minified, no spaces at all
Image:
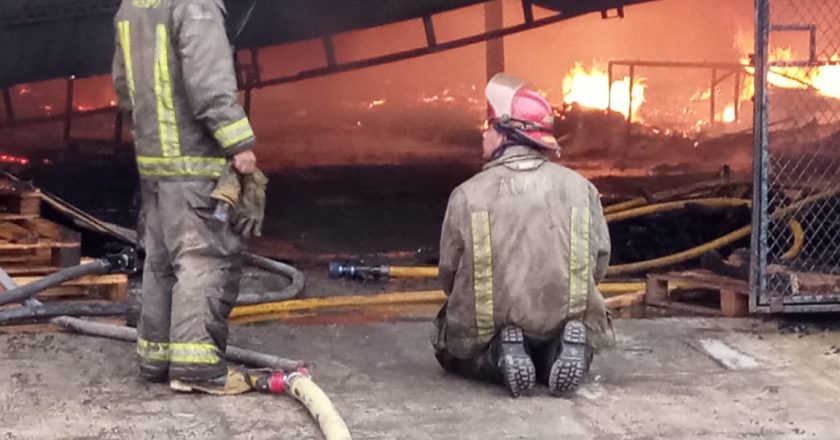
{"x":233,"y":383}
{"x":572,"y":360}
{"x":514,"y":362}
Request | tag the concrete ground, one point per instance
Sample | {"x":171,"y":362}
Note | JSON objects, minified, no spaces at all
{"x":676,"y":378}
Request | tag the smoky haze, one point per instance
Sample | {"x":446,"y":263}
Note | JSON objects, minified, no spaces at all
{"x":430,"y":109}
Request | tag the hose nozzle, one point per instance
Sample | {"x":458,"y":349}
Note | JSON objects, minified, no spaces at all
{"x":358,"y":272}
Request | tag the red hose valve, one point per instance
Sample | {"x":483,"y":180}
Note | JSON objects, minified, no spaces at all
{"x":277,"y":383}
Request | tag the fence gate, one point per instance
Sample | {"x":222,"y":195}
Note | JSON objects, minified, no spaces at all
{"x":796,"y":215}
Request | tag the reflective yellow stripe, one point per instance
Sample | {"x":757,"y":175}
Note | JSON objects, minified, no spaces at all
{"x":483,"y":276}
{"x":167,"y":125}
{"x":124,"y":34}
{"x":181,"y":166}
{"x":194,"y":353}
{"x":146,"y":3}
{"x":579,"y":265}
{"x":178,"y":352}
{"x":233,"y":134}
{"x":152,"y":351}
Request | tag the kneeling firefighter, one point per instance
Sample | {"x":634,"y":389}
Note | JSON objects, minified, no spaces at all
{"x":173,"y":72}
{"x":523,"y":244}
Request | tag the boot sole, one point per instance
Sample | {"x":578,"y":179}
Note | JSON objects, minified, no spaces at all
{"x":570,"y":366}
{"x":183,"y":387}
{"x":517,"y":367}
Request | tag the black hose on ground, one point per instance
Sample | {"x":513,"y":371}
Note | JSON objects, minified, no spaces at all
{"x":123,"y":333}
{"x":276,"y":267}
{"x":240,"y":355}
{"x":23,"y":293}
{"x":34,"y":309}
{"x":44,"y":311}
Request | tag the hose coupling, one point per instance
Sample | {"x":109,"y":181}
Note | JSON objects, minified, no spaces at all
{"x":276,"y":382}
{"x":124,"y":261}
{"x":360,"y":272}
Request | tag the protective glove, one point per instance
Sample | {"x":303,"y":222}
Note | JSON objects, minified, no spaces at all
{"x":250,"y":211}
{"x":228,"y":188}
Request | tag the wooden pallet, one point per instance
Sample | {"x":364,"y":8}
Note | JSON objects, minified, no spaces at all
{"x":112,"y":287}
{"x":87,"y":289}
{"x":20,"y":204}
{"x":35,"y":246}
{"x":734,"y":294}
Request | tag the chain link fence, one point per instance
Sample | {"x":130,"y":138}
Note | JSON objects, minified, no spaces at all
{"x":797,"y":245}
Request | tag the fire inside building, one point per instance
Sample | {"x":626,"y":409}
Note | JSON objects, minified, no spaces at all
{"x":710,"y":133}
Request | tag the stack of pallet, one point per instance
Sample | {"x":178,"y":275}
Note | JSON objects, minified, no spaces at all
{"x":31,"y":247}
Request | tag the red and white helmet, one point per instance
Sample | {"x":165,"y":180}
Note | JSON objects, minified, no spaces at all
{"x":520,"y":112}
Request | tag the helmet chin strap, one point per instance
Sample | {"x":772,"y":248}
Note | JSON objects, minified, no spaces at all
{"x":512,"y":137}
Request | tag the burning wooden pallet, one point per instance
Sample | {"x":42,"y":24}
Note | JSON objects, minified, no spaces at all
{"x":734,"y":293}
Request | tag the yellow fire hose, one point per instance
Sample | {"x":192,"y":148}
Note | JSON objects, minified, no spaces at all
{"x":673,"y":193}
{"x":673,"y":206}
{"x":637,"y":210}
{"x":607,"y":288}
{"x":696,"y":252}
{"x":413,"y":272}
{"x":435,"y":297}
{"x":780,"y":213}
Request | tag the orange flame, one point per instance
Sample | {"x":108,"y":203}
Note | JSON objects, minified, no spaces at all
{"x":590,"y":88}
{"x":728,"y":115}
{"x":823,"y":78}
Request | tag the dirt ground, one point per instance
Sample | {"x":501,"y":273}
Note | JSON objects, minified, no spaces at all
{"x":669,"y":378}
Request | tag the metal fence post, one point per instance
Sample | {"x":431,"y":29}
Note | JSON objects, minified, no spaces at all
{"x":758,"y":266}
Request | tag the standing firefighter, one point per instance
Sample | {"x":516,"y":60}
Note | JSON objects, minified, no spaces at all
{"x":173,"y":72}
{"x":523,"y":244}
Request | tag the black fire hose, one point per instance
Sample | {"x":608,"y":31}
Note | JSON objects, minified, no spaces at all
{"x":240,"y":355}
{"x":123,"y":262}
{"x":23,"y":293}
{"x":269,"y":265}
{"x":36,"y":310}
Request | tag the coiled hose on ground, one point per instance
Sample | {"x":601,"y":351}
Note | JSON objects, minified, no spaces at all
{"x":302,"y":388}
{"x":782,"y":213}
{"x":275,"y":267}
{"x":31,"y":311}
{"x":633,"y":209}
{"x":124,"y":333}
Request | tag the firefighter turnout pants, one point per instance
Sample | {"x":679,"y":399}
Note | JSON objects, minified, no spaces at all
{"x":190,"y":282}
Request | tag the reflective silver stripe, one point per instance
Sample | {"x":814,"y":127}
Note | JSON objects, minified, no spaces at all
{"x":152,"y":351}
{"x":234,"y":134}
{"x":483,"y":276}
{"x":194,"y":353}
{"x":181,"y":166}
{"x":580,"y":270}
